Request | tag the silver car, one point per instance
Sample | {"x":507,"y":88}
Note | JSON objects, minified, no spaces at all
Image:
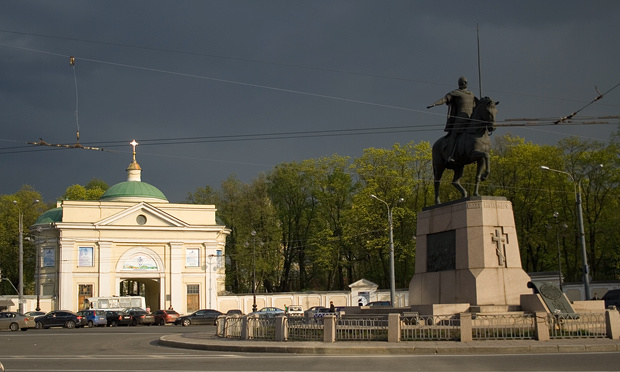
{"x":15,"y":321}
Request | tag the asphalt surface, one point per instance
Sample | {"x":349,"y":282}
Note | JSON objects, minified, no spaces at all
{"x":208,"y":341}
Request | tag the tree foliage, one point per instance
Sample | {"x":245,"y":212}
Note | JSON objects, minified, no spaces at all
{"x":93,"y":190}
{"x":9,"y":237}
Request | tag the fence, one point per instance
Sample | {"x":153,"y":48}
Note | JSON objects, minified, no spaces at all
{"x":587,"y":325}
{"x":429,"y":328}
{"x":304,"y":329}
{"x":362,"y":329}
{"x":414,"y":327}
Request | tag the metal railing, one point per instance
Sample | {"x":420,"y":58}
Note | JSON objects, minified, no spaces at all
{"x":263,"y":328}
{"x":504,"y":327}
{"x":413,"y":327}
{"x":229,"y":326}
{"x":429,"y":328}
{"x":362,"y":329}
{"x":304,"y":329}
{"x":583,"y":325}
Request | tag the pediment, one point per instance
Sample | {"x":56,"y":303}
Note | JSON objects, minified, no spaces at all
{"x":363,"y":283}
{"x":141,"y":215}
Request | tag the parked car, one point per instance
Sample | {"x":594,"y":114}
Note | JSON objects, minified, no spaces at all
{"x":116,"y":318}
{"x":34,"y":314}
{"x":314,"y":310}
{"x":94,"y":318}
{"x":141,"y":317}
{"x":205,"y":316}
{"x":295,"y":310}
{"x":322,"y":312}
{"x":379,"y":303}
{"x":234,"y":312}
{"x":162,"y":317}
{"x":59,"y":318}
{"x":268,"y":312}
{"x":612,"y":298}
{"x":14,"y":321}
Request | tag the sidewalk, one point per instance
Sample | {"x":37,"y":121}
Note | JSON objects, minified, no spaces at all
{"x":204,"y":341}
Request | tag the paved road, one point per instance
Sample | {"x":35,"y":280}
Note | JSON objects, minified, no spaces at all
{"x":137,"y":349}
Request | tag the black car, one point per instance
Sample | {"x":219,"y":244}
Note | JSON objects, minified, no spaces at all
{"x":379,"y":303}
{"x":141,"y":317}
{"x":59,"y":318}
{"x":116,"y":318}
{"x":205,"y":316}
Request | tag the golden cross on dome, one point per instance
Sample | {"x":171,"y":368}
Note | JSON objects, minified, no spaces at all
{"x":134,"y":144}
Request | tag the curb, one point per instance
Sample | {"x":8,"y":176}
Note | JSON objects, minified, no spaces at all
{"x":212,"y":343}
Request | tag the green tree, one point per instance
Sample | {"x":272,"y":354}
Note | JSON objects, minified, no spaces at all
{"x":593,"y":165}
{"x":9,"y":237}
{"x":293,"y":193}
{"x":329,"y":255}
{"x":390,"y":174}
{"x":93,"y":190}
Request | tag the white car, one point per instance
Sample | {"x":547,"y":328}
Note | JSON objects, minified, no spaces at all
{"x":295,"y":310}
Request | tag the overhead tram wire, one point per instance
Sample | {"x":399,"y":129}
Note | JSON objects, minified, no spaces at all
{"x":197,"y":54}
{"x":240,"y":59}
{"x":600,"y":96}
{"x":523,"y":122}
{"x":269,"y":136}
{"x":259,"y":85}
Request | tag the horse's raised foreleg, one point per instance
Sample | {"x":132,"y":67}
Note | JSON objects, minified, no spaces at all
{"x":458,"y":174}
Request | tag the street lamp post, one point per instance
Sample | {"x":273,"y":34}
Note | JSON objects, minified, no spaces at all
{"x":21,"y":254}
{"x":392,"y":275}
{"x":254,"y":307}
{"x":557,"y":239}
{"x":582,"y":235}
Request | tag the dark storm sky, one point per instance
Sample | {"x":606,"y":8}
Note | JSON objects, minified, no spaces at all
{"x":219,"y":73}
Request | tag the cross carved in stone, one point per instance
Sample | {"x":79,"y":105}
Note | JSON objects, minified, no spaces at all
{"x":500,"y":239}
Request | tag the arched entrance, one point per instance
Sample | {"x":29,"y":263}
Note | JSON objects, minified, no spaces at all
{"x":140,"y":272}
{"x":145,"y":287}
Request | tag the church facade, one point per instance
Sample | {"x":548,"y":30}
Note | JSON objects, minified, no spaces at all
{"x":131,"y":241}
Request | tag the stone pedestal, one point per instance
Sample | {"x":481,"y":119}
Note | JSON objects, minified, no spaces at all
{"x":467,"y":253}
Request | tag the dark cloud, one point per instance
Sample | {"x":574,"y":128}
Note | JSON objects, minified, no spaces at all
{"x":155,"y":70}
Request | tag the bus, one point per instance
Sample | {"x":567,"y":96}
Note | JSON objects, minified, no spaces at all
{"x":116,"y":303}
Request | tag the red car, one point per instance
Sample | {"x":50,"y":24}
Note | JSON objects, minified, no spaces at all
{"x":165,"y":316}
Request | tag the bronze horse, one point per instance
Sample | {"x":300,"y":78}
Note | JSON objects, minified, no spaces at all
{"x":473,"y":145}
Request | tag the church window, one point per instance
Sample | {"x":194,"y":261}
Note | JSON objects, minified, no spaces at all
{"x":141,"y":219}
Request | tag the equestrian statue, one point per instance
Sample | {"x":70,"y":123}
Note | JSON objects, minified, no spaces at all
{"x":469,"y":124}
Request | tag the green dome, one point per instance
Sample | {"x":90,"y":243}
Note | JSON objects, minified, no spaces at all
{"x":51,"y":216}
{"x":133,"y":190}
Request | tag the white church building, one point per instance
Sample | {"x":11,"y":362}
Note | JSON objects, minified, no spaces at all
{"x":131,"y":241}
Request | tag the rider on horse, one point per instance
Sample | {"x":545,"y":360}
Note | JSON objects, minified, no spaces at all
{"x":461,"y":103}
